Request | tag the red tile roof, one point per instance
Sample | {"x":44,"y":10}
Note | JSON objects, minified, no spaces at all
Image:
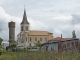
{"x":59,"y":38}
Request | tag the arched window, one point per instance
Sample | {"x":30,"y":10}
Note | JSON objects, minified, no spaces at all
{"x":26,"y":27}
{"x":20,"y":35}
{"x":21,"y":28}
{"x":26,"y":38}
{"x":30,"y":38}
{"x":45,"y":39}
{"x":41,"y":39}
{"x":35,"y":39}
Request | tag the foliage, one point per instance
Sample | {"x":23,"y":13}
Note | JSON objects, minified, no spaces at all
{"x":1,"y":40}
{"x":13,"y":44}
{"x":38,"y":44}
{"x":79,"y":47}
{"x":73,"y":34}
{"x":12,"y":41}
{"x":0,"y":45}
{"x":0,"y":50}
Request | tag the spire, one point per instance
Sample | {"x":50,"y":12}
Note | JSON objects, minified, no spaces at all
{"x":24,"y":21}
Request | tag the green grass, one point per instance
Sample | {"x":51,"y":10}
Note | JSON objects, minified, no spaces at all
{"x":40,"y":56}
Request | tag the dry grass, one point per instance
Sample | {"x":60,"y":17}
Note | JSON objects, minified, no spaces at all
{"x":41,"y":56}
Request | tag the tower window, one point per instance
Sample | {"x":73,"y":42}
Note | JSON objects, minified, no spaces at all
{"x":41,"y":39}
{"x":26,"y":27}
{"x":26,"y":38}
{"x":20,"y":35}
{"x":21,"y":28}
{"x":30,"y":38}
{"x":23,"y":36}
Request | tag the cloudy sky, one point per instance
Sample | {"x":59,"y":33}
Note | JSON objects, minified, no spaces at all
{"x":56,"y":16}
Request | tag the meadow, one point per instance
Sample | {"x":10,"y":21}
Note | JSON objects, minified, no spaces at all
{"x":37,"y":55}
{"x":40,"y":56}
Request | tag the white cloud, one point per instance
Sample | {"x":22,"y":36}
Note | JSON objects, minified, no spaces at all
{"x":56,"y":16}
{"x":5,"y":18}
{"x":36,"y":25}
{"x":4,"y":1}
{"x":62,"y":17}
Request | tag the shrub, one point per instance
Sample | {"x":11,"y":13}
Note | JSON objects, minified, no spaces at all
{"x":13,"y":44}
{"x":79,"y":47}
{"x":38,"y":44}
{"x":0,"y":50}
{"x":12,"y":41}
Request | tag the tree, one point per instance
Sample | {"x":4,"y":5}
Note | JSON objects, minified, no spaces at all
{"x":12,"y":41}
{"x":38,"y":44}
{"x":13,"y":45}
{"x":0,"y":45}
{"x":1,"y":40}
{"x":73,"y":34}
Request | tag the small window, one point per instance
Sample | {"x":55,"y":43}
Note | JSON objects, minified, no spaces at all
{"x":45,"y":39}
{"x":30,"y":38}
{"x":22,"y":36}
{"x":41,"y":39}
{"x":35,"y":39}
{"x":26,"y":38}
{"x":26,"y":27}
{"x":21,"y":28}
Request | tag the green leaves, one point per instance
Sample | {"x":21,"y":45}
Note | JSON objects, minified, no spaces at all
{"x":12,"y":41}
{"x":1,"y":40}
{"x":73,"y":34}
{"x":13,"y":44}
{"x":38,"y":44}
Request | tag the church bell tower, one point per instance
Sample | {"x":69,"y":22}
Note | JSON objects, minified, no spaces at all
{"x":24,"y":24}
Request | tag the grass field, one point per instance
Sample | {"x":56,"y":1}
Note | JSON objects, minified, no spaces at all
{"x":40,"y":56}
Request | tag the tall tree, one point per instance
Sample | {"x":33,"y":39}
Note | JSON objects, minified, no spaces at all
{"x":1,"y":40}
{"x":73,"y":34}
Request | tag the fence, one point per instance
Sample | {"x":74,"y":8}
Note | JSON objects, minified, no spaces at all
{"x":24,"y":51}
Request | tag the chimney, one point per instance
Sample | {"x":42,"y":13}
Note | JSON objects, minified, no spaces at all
{"x":61,"y":36}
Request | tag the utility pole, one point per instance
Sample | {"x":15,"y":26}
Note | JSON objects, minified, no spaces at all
{"x":0,"y":30}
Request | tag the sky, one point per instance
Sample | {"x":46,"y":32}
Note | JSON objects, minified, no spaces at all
{"x":56,"y":16}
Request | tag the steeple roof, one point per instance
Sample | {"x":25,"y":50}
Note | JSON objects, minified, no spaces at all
{"x":24,"y":21}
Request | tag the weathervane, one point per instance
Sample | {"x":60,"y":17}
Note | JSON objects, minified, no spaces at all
{"x":24,"y":7}
{"x":0,"y":29}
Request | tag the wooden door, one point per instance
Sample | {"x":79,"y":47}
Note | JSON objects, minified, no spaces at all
{"x":47,"y":48}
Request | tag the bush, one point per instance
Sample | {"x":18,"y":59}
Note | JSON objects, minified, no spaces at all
{"x":13,"y":44}
{"x":38,"y":44}
{"x":0,"y":45}
{"x":79,"y":47}
{"x":0,"y":52}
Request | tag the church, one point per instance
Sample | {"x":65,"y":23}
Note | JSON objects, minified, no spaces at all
{"x":30,"y":37}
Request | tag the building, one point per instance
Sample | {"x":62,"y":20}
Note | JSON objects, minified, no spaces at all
{"x":31,"y":37}
{"x":61,"y":44}
{"x":4,"y":45}
{"x":11,"y":26}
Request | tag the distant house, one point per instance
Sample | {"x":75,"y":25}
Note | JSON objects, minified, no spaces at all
{"x":4,"y":45}
{"x":61,"y":44}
